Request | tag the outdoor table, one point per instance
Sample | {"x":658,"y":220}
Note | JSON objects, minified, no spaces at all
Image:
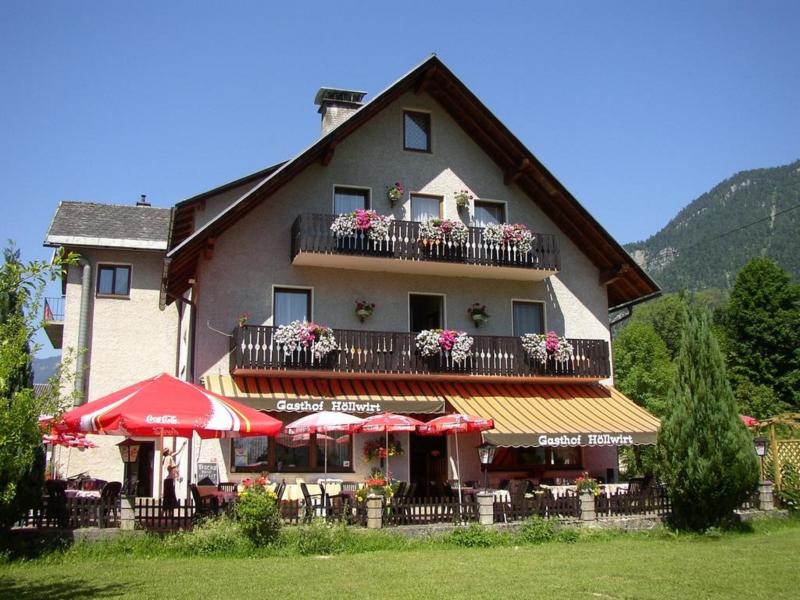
{"x":501,"y":495}
{"x":610,"y":489}
{"x":82,"y":493}
{"x":559,"y":490}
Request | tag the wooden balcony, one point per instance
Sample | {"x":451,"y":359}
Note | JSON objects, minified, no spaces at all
{"x":386,"y":354}
{"x":53,"y":317}
{"x":314,"y":245}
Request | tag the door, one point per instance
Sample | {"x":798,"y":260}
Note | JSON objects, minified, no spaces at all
{"x":426,"y":311}
{"x":428,"y":462}
{"x":141,"y":471}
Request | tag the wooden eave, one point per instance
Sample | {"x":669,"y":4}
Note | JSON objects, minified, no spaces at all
{"x":518,"y":164}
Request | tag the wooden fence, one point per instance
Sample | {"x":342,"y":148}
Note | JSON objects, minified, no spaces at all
{"x":151,"y":515}
{"x":566,"y":507}
{"x":652,"y":501}
{"x":73,"y":513}
{"x":423,"y":511}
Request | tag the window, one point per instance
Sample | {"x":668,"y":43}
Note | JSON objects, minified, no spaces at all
{"x":487,"y":213}
{"x":293,"y":453}
{"x":113,"y":280}
{"x":425,"y":207}
{"x":565,"y":457}
{"x":425,"y":311}
{"x":291,"y":304}
{"x":347,"y":200}
{"x":528,"y":317}
{"x":536,"y":459}
{"x":416,"y":131}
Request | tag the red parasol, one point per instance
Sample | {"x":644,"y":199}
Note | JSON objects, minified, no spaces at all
{"x":323,"y":422}
{"x":166,"y":406}
{"x":749,"y":421}
{"x":455,"y":424}
{"x":389,"y":422}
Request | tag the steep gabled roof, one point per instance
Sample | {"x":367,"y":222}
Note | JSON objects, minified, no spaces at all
{"x":109,"y":226}
{"x":626,"y":281}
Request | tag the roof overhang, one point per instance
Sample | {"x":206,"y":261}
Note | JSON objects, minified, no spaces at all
{"x":96,"y":242}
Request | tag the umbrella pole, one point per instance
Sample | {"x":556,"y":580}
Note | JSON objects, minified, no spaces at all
{"x":458,"y":478}
{"x":159,"y":462}
{"x":386,"y":460}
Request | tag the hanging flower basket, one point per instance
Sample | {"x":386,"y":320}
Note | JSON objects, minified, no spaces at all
{"x":541,"y":347}
{"x":478,"y":313}
{"x":463,"y":198}
{"x":365,"y":222}
{"x":377,"y":448}
{"x":395,"y":192}
{"x":432,"y":342}
{"x":506,"y":235}
{"x":300,"y":335}
{"x":437,"y":231}
{"x":364,"y":309}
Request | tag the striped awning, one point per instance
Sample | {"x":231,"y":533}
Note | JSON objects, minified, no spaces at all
{"x":306,"y":394}
{"x":531,"y":414}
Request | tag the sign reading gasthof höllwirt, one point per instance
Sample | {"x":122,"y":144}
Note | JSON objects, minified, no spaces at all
{"x":587,"y":439}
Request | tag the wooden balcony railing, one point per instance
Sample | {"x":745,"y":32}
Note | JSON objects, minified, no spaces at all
{"x":312,"y":233}
{"x":253,"y":348}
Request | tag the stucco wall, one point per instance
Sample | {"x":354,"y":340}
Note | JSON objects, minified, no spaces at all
{"x":128,"y":340}
{"x":253,"y":255}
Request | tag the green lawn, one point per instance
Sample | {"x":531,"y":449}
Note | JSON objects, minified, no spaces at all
{"x":757,"y":565}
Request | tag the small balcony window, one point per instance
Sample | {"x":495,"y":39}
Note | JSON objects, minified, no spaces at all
{"x":528,"y":317}
{"x":416,"y":131}
{"x":489,"y":213}
{"x":291,"y":304}
{"x":347,"y":200}
{"x":425,"y":207}
{"x":114,"y":280}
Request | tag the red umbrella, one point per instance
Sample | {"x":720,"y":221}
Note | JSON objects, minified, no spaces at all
{"x":323,"y":422}
{"x":748,"y":421}
{"x":386,"y":422}
{"x":166,"y":406}
{"x":77,"y":440}
{"x":455,"y":424}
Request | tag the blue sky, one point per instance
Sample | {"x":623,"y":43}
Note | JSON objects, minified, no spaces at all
{"x":637,"y":108}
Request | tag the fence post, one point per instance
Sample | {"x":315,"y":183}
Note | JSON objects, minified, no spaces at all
{"x":766,"y":500}
{"x":374,"y":511}
{"x":485,"y":508}
{"x":127,"y":513}
{"x":588,"y":512}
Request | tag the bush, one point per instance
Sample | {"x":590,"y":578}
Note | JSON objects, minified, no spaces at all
{"x":212,"y":536}
{"x":473,"y":536}
{"x":569,"y":535}
{"x":319,"y":538}
{"x":537,"y":531}
{"x":258,"y":515}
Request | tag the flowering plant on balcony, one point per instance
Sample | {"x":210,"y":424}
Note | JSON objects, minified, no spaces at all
{"x":431,"y":342}
{"x":300,"y":334}
{"x":540,"y":346}
{"x":364,"y":309}
{"x":242,"y":319}
{"x":463,"y":198}
{"x":377,"y":449}
{"x":395,"y":192}
{"x":478,"y":313}
{"x":509,"y":235}
{"x":368,"y":222}
{"x":437,"y":231}
{"x":585,"y":483}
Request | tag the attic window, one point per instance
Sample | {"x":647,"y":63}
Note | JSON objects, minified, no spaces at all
{"x":416,"y":131}
{"x":114,"y":281}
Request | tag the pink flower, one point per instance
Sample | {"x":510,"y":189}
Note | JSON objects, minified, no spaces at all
{"x":551,"y":343}
{"x":363,"y":219}
{"x":447,"y":339}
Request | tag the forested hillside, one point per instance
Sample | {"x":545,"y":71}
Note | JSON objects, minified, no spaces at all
{"x":696,"y":251}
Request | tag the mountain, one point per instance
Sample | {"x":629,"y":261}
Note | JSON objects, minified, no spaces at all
{"x":43,"y":368}
{"x":707,"y":243}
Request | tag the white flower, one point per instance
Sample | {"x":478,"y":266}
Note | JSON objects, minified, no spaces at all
{"x":431,"y":342}
{"x":436,"y":230}
{"x":299,"y":334}
{"x":536,"y":345}
{"x":504,"y":234}
{"x":375,"y":226}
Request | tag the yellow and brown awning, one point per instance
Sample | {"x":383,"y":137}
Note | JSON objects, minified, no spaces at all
{"x":305,"y":394}
{"x":528,"y":414}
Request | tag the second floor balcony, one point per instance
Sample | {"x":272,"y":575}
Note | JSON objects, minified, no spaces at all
{"x":313,"y":244}
{"x":53,"y":317}
{"x":254,"y":351}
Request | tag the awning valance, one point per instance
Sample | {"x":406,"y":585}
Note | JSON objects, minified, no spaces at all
{"x":528,"y":414}
{"x":305,"y":395}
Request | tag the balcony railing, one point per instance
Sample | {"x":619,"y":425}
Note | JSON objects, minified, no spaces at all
{"x":53,"y":309}
{"x":253,"y":348}
{"x":311,"y":233}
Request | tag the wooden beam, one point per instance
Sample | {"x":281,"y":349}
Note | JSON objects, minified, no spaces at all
{"x":424,"y":81}
{"x":512,"y":175}
{"x":327,"y":155}
{"x":611,"y":275}
{"x":208,"y":249}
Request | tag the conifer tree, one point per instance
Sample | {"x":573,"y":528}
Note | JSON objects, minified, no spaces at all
{"x":706,"y":455}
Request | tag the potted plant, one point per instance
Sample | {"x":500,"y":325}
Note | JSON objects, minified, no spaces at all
{"x":585,"y":483}
{"x":541,"y":346}
{"x":509,"y":236}
{"x":478,"y":313}
{"x":395,"y":192}
{"x":443,"y":235}
{"x":463,"y":198}
{"x":433,"y":342}
{"x":242,"y":319}
{"x":377,"y":483}
{"x":361,"y":229}
{"x":300,"y":335}
{"x":364,"y":309}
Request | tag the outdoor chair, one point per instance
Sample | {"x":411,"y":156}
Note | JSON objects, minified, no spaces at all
{"x":204,"y":506}
{"x":412,"y":488}
{"x":314,"y":503}
{"x":400,"y":492}
{"x":227,"y":486}
{"x":56,"y":510}
{"x":279,"y":491}
{"x":109,"y":498}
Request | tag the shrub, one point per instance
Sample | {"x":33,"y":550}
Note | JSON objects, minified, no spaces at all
{"x":319,"y":538}
{"x":569,"y":535}
{"x":258,"y":515}
{"x":212,"y":536}
{"x":473,"y":536}
{"x":537,"y":531}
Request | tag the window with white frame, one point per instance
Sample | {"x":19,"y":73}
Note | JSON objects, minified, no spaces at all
{"x":348,"y":199}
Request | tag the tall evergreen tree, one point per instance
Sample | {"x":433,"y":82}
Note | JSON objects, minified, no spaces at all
{"x":706,"y":454}
{"x":762,"y":326}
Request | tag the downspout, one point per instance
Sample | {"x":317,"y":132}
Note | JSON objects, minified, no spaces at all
{"x":83,"y":328}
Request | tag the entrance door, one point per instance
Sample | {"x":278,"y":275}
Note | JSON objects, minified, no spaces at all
{"x":426,"y":311}
{"x":428,"y":464}
{"x":141,"y":471}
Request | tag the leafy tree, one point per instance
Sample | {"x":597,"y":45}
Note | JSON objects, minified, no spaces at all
{"x":665,"y":316}
{"x":21,"y":459}
{"x":705,"y":452}
{"x":759,"y":401}
{"x":762,"y":327}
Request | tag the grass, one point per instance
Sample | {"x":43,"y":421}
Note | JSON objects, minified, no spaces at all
{"x":755,"y":565}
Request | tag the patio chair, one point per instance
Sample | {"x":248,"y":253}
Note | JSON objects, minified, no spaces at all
{"x":109,"y":497}
{"x":279,"y":491}
{"x":227,"y":486}
{"x":56,"y":510}
{"x":400,"y":492}
{"x":314,"y":503}
{"x":204,"y":506}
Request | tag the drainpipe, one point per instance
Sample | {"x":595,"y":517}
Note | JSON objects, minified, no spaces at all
{"x":83,"y":328}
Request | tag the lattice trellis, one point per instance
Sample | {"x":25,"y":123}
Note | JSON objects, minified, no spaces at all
{"x":788,"y":452}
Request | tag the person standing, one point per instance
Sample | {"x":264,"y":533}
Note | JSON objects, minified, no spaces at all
{"x":169,"y":460}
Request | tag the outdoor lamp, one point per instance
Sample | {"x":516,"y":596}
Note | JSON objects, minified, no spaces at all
{"x":761,"y":446}
{"x":486,"y":456}
{"x":129,"y":450}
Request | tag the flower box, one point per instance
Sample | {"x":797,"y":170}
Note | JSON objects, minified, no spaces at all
{"x":433,"y":343}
